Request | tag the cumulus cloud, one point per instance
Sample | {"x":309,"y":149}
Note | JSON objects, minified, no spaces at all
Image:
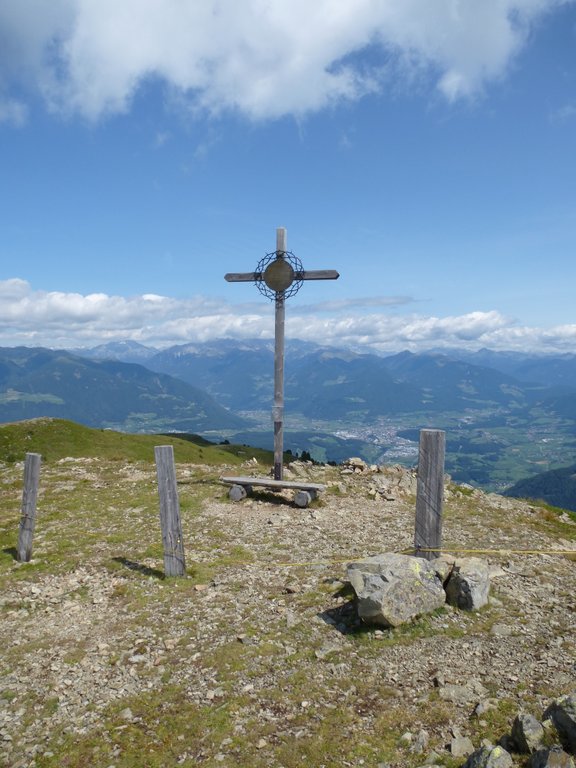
{"x":342,"y":305}
{"x":263,"y":58}
{"x":69,"y":320}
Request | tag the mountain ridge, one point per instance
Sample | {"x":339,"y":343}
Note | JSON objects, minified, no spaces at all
{"x":37,"y":382}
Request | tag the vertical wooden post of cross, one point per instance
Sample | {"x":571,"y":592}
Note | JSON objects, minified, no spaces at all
{"x":278,"y":410}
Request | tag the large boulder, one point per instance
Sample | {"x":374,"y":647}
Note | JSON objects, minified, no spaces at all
{"x":562,"y":712}
{"x":489,"y":757}
{"x":551,"y":757}
{"x":527,"y":733}
{"x":469,"y":584}
{"x":393,"y":589}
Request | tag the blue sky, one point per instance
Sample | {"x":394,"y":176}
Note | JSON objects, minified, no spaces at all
{"x":425,"y":150}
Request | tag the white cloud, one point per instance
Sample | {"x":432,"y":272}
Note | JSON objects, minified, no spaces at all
{"x":56,"y":319}
{"x":265,"y":58}
{"x":567,"y":112}
{"x":13,"y":112}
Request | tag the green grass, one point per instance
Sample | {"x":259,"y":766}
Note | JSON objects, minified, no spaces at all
{"x":57,"y":439}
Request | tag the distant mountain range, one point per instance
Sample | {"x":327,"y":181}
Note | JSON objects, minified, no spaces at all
{"x":557,"y":487}
{"x":329,"y":383}
{"x":507,"y":415}
{"x":41,"y":382}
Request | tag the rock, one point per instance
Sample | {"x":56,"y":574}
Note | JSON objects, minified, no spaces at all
{"x":562,"y":712}
{"x":461,"y":746}
{"x":237,"y":493}
{"x":420,"y":742}
{"x":443,"y":566}
{"x":485,"y":706}
{"x":356,"y":464}
{"x":489,"y":757}
{"x":551,"y":757}
{"x":469,"y":584}
{"x":501,"y":630}
{"x":302,"y":499}
{"x":393,"y":589}
{"x":398,"y":480}
{"x":527,"y":733}
{"x":463,"y":695}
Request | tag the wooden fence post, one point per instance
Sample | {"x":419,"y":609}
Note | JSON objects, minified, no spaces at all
{"x":174,"y":562}
{"x":430,"y":493}
{"x":29,"y":496}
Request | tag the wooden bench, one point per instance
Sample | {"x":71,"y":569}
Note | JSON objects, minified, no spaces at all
{"x":242,"y":487}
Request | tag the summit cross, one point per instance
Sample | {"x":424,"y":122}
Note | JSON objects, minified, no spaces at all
{"x":278,"y":276}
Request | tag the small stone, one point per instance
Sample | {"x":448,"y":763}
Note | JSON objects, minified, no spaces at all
{"x":420,"y":742}
{"x":461,"y":746}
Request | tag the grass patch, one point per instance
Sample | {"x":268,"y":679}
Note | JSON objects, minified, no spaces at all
{"x":56,"y":439}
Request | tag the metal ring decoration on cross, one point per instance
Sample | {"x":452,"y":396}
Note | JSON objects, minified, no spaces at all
{"x":279,"y":275}
{"x":279,"y":272}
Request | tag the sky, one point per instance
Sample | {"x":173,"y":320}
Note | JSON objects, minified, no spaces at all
{"x":424,"y":149}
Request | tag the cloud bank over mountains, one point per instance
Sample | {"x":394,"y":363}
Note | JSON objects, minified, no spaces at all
{"x":69,"y":320}
{"x":260,"y":58}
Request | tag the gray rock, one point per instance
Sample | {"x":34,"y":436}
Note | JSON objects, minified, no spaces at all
{"x":469,"y":584}
{"x":443,"y":566}
{"x":393,"y":589}
{"x":562,"y":712}
{"x":461,"y":746}
{"x":463,"y":695}
{"x":356,"y":464}
{"x":527,"y":733}
{"x":551,"y":757}
{"x":489,"y":757}
{"x":420,"y":742}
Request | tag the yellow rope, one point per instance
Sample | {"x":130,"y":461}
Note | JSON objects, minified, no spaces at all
{"x":554,"y":552}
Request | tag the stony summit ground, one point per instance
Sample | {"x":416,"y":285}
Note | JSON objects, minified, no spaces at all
{"x":256,"y":658}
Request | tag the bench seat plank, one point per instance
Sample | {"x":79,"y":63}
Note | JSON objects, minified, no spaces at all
{"x":267,"y":482}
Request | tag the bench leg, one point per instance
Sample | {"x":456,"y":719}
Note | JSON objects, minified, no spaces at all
{"x":237,"y":493}
{"x":302,"y":499}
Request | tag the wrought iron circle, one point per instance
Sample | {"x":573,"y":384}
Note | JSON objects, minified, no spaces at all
{"x":279,"y":275}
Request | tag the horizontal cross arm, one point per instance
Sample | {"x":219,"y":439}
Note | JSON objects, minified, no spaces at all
{"x":305,"y":274}
{"x":243,"y":277}
{"x":317,"y":274}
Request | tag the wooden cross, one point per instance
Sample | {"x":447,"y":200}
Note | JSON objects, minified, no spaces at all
{"x":279,"y":277}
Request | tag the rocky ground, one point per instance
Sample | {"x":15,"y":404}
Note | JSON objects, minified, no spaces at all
{"x":257,"y":656}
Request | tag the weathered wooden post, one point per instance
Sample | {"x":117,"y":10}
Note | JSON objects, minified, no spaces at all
{"x":430,"y":493}
{"x":278,"y":409}
{"x":278,"y":276}
{"x":29,"y":496}
{"x":172,"y":540}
